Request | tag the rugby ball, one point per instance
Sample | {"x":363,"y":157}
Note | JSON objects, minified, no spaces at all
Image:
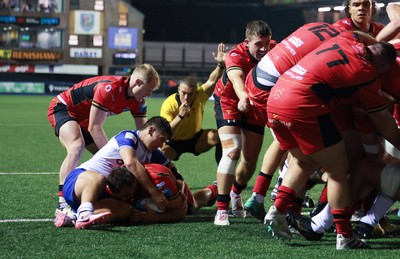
{"x":145,"y":203}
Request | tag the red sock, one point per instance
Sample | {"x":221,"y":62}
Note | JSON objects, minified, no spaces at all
{"x":295,"y":206}
{"x":237,"y":188}
{"x":323,"y":198}
{"x":284,"y":198}
{"x":262,"y":184}
{"x":223,"y":201}
{"x":214,"y":191}
{"x":60,"y":190}
{"x":341,"y":218}
{"x":222,"y":205}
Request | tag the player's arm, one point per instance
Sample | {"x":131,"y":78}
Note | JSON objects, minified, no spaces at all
{"x":217,"y":73}
{"x":238,"y":77}
{"x":150,"y":216}
{"x":174,"y":116}
{"x":97,"y":117}
{"x":393,"y":11}
{"x":175,"y":212}
{"x":139,"y":121}
{"x":131,"y":162}
{"x":140,"y":116}
{"x":392,"y":29}
{"x":179,"y":201}
{"x":171,"y":166}
{"x":384,"y":122}
{"x":365,"y":38}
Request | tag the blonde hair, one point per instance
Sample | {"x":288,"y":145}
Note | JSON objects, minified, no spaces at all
{"x":146,"y":73}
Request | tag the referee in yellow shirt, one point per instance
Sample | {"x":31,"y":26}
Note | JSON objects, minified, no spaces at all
{"x":184,"y":111}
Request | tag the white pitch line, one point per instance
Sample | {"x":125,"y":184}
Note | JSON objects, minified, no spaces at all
{"x":29,"y":173}
{"x":24,"y":220}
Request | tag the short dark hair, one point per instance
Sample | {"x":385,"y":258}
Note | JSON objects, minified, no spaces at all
{"x":161,"y":124}
{"x":391,"y":53}
{"x":189,"y":81}
{"x":119,"y":177}
{"x":389,"y":56}
{"x":257,"y":27}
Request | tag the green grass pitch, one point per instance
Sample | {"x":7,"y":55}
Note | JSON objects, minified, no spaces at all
{"x":31,"y":155}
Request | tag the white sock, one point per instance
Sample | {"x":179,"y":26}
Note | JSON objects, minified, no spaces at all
{"x":259,"y":198}
{"x":234,"y":194}
{"x":381,"y":205}
{"x":323,"y":220}
{"x":85,"y":209}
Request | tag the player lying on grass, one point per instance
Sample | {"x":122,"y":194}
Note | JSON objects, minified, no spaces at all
{"x":181,"y":202}
{"x":131,"y":148}
{"x":123,"y":200}
{"x":111,"y":202}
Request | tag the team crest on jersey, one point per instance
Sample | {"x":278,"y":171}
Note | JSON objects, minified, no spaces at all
{"x":359,"y":50}
{"x":346,"y":22}
{"x":87,"y":21}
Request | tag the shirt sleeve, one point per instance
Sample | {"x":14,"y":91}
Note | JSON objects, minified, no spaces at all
{"x":158,"y":157}
{"x":104,"y":96}
{"x":169,"y":108}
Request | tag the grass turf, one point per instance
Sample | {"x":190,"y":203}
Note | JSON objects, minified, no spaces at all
{"x":28,"y":145}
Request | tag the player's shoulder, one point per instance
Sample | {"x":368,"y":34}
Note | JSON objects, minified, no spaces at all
{"x":378,"y":26}
{"x":170,"y":99}
{"x":127,"y":134}
{"x":344,"y":22}
{"x":157,"y":168}
{"x":201,"y":93}
{"x":239,"y":49}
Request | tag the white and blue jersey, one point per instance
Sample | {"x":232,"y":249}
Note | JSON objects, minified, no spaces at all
{"x":108,"y":156}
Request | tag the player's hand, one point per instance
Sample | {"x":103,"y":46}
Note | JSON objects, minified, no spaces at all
{"x":244,"y":103}
{"x":159,"y":200}
{"x":220,"y":56}
{"x":184,"y":109}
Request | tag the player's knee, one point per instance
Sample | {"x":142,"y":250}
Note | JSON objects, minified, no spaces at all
{"x":234,"y":154}
{"x":231,"y":145}
{"x":230,"y":141}
{"x":227,"y":165}
{"x":76,"y":148}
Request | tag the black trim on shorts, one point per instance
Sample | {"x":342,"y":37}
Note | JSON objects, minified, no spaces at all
{"x":237,"y":123}
{"x":62,"y":116}
{"x":185,"y":146}
{"x":329,"y":132}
